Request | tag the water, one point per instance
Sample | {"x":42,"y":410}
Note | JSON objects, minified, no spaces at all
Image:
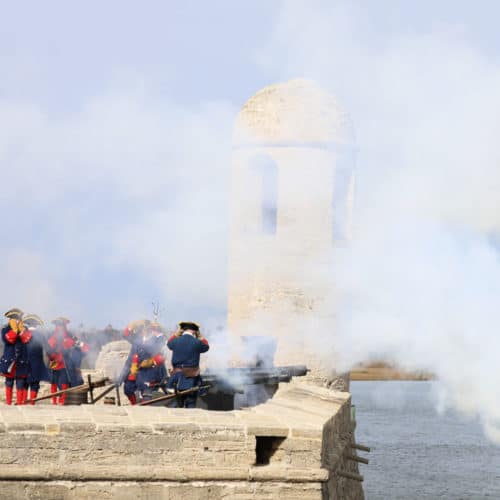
{"x":418,"y":453}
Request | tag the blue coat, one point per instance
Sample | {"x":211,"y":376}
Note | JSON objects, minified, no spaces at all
{"x":65,"y":352}
{"x":37,"y":369}
{"x":74,"y":362}
{"x":14,"y":355}
{"x":152,"y":347}
{"x":186,"y":350}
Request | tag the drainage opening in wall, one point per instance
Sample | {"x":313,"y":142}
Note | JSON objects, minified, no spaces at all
{"x":265,"y":447}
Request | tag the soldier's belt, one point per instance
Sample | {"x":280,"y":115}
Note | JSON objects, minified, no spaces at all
{"x":187,"y":371}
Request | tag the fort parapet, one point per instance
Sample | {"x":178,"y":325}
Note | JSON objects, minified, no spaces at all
{"x":294,"y":446}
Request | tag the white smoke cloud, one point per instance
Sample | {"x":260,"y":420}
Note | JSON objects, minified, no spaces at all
{"x":130,"y":187}
{"x":421,"y":281}
{"x":35,"y":292}
{"x":122,"y":199}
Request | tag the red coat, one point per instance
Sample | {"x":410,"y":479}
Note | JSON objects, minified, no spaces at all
{"x":14,"y":361}
{"x":58,"y":345}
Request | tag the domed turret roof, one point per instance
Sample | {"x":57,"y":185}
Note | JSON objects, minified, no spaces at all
{"x":295,"y":112}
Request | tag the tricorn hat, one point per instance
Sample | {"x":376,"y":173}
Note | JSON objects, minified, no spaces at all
{"x":140,"y":323}
{"x":14,"y":313}
{"x":189,"y":325}
{"x":32,"y":320}
{"x":138,"y":326}
{"x":156,"y":326}
{"x":60,"y":321}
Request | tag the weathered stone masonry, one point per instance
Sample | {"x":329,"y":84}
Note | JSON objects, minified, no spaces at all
{"x":299,"y":437}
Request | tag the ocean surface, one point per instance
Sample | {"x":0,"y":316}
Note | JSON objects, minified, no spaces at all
{"x":418,"y":453}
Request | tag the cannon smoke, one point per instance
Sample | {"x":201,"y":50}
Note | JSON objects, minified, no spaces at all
{"x":120,"y":194}
{"x":420,"y":283}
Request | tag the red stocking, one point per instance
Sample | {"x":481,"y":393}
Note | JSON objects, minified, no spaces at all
{"x":132,"y":399}
{"x":22,"y":395}
{"x":62,"y":397}
{"x":33,"y":395}
{"x":53,"y":388}
{"x":19,"y":396}
{"x":8,"y":395}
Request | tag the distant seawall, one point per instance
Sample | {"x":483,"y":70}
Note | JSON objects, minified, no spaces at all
{"x":386,"y":371}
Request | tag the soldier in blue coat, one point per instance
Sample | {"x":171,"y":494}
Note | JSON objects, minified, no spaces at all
{"x":186,"y":345}
{"x":145,"y":365}
{"x":65,"y":353}
{"x":14,"y":363}
{"x":37,"y":370}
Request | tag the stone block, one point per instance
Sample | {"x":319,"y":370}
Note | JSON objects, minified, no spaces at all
{"x":223,"y":434}
{"x":263,"y":430}
{"x":167,"y":442}
{"x":52,"y":429}
{"x":297,"y":431}
{"x":24,"y":427}
{"x":77,"y":427}
{"x":185,"y":427}
{"x":303,"y":459}
{"x":302,"y":444}
{"x":231,"y":459}
{"x":185,"y":491}
{"x":139,"y":491}
{"x":42,"y":491}
{"x":218,"y":446}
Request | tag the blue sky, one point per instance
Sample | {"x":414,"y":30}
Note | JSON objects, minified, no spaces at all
{"x":59,"y":53}
{"x":194,"y":51}
{"x":115,"y":124}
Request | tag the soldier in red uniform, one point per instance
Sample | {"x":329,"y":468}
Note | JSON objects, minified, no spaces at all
{"x":14,"y":363}
{"x":132,"y":332}
{"x":65,"y":353}
{"x":145,"y":365}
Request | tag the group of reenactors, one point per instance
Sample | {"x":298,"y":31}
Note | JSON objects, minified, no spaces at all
{"x":23,"y":360}
{"x":23,"y":364}
{"x":145,"y":371}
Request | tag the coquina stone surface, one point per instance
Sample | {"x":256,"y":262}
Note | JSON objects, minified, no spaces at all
{"x":292,"y":446}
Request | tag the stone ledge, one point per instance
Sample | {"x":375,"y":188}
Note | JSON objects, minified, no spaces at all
{"x":267,"y":430}
{"x":269,"y":473}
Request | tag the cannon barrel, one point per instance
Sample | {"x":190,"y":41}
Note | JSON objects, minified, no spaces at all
{"x":233,"y":380}
{"x":294,"y":370}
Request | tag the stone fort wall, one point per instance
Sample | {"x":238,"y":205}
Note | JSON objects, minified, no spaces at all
{"x":292,"y":447}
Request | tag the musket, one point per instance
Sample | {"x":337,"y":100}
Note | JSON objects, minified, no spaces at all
{"x":168,"y":397}
{"x":162,"y":384}
{"x":103,"y":393}
{"x":83,"y":387}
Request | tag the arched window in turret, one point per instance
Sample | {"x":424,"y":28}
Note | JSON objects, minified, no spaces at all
{"x":265,"y":167}
{"x":342,"y":186}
